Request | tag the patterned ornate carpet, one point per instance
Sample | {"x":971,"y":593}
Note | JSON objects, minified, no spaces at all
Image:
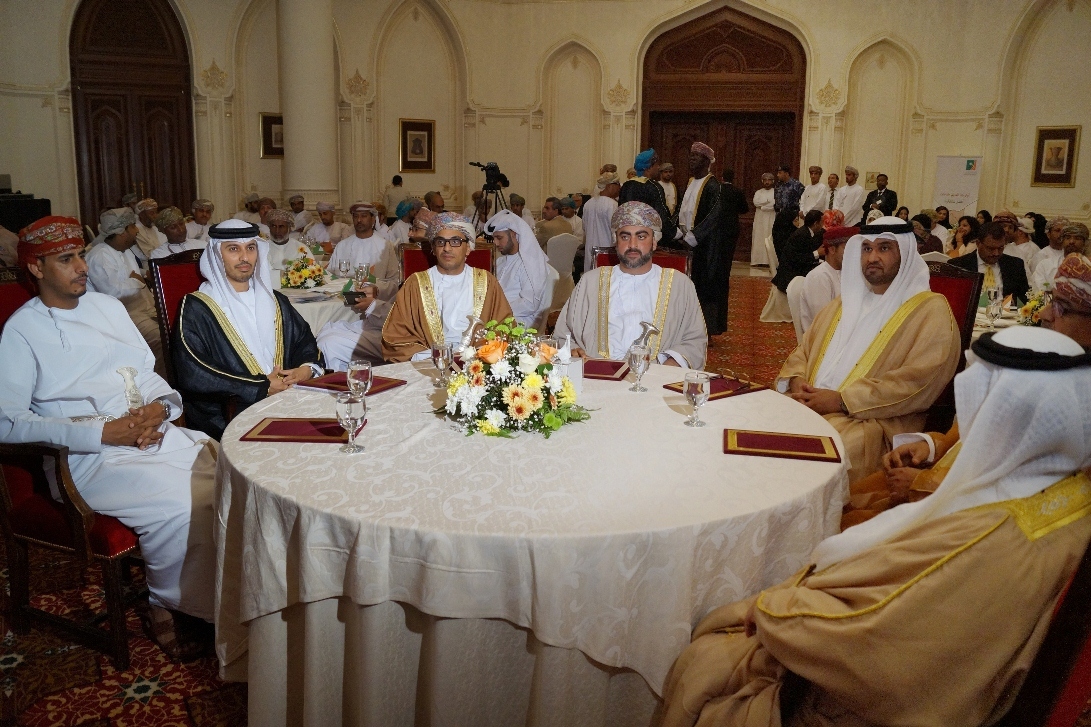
{"x":47,"y":680}
{"x":750,"y":348}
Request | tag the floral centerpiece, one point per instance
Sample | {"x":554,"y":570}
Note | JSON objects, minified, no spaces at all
{"x":508,"y":384}
{"x":1029,"y":314}
{"x":302,"y":273}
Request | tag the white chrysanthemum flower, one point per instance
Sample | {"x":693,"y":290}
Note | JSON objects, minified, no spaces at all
{"x":452,"y":404}
{"x":500,"y":370}
{"x":496,"y":417}
{"x":527,"y":363}
{"x":467,"y":353}
{"x":555,"y":383}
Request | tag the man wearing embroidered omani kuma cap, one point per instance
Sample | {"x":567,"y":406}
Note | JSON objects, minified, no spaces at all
{"x":608,"y":305}
{"x":326,"y":229}
{"x":963,"y":583}
{"x":433,"y":306}
{"x":877,"y":357}
{"x":73,"y":363}
{"x":237,"y":335}
{"x":171,"y":223}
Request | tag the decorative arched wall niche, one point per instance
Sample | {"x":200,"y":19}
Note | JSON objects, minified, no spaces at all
{"x":572,"y":101}
{"x":734,"y":82}
{"x":882,"y":85}
{"x":416,"y":52}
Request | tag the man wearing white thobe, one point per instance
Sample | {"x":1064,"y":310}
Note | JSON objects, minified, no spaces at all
{"x":285,"y":245}
{"x":63,"y":351}
{"x":406,"y":212}
{"x":670,"y":190}
{"x":343,"y":341}
{"x":518,"y":204}
{"x":597,"y":212}
{"x":764,"y":214}
{"x":173,"y":225}
{"x":112,"y":269}
{"x":850,"y":198}
{"x":327,"y":229}
{"x":197,"y":228}
{"x":148,"y":238}
{"x":815,"y":195}
{"x":300,"y":216}
{"x":1051,"y":255}
{"x":522,"y":268}
{"x":637,"y":291}
{"x":251,"y":203}
{"x":823,"y":284}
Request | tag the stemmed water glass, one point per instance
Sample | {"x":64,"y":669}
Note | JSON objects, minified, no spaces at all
{"x":442,"y":357}
{"x":697,"y":388}
{"x":360,"y":276}
{"x":993,"y":310}
{"x":344,"y":268}
{"x":359,"y":377}
{"x":639,"y":361}
{"x":351,"y":415}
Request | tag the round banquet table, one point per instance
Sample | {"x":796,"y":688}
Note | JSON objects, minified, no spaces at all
{"x":319,"y":313}
{"x":442,"y":579}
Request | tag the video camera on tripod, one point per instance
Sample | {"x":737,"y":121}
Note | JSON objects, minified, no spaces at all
{"x":494,"y":178}
{"x":492,"y":190}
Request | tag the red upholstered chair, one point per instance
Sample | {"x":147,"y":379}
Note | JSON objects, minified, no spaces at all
{"x":676,"y":259}
{"x":1058,"y":685}
{"x":14,"y":291}
{"x":481,"y":257}
{"x":172,"y":278}
{"x":29,"y":515}
{"x":415,"y":260}
{"x":961,"y":288}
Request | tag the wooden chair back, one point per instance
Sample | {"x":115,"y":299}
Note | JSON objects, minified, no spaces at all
{"x":172,"y":278}
{"x":676,"y":259}
{"x":962,"y":289}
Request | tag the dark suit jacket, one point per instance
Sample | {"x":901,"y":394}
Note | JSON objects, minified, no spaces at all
{"x":887,"y":203}
{"x":1013,"y":275}
{"x":796,"y":257}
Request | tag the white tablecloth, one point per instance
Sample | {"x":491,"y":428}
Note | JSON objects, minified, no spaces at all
{"x":319,"y":313}
{"x":614,"y":538}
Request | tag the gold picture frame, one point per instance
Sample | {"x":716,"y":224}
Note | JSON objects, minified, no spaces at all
{"x":416,"y":145}
{"x":1056,"y":151}
{"x":271,"y":135}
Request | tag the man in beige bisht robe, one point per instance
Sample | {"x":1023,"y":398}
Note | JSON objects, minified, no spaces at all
{"x":931,"y":612}
{"x":436,"y":305}
{"x":608,"y":305}
{"x":876,"y":358}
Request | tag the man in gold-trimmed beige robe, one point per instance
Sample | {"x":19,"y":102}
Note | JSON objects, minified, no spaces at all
{"x":434,"y":305}
{"x":932,"y":612}
{"x":878,"y":356}
{"x":608,"y":305}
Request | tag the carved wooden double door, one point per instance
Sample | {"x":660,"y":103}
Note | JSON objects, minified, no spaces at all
{"x":749,"y":143}
{"x":131,"y":105}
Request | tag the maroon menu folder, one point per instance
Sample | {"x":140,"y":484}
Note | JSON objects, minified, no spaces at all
{"x":338,"y":381}
{"x":605,"y":369}
{"x":778,"y":444}
{"x":321,"y":431}
{"x":721,"y":387}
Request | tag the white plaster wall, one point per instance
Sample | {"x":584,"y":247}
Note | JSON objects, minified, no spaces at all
{"x":984,"y":74}
{"x":573,"y":117}
{"x":257,"y":91}
{"x":1051,"y":89}
{"x":881,"y":85}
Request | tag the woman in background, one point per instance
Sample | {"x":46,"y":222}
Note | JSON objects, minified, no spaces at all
{"x":903,"y":213}
{"x":965,"y":239}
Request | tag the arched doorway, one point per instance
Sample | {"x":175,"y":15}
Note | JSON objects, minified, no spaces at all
{"x":734,"y":82}
{"x":131,"y":105}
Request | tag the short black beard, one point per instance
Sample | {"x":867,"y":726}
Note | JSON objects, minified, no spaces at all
{"x":636,"y":264}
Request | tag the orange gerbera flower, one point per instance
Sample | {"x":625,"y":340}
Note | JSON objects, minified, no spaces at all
{"x":534,"y":399}
{"x":519,"y":410}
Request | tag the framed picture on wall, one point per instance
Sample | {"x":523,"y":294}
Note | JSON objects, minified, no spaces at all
{"x":272,"y":136}
{"x":1057,"y":149}
{"x":416,"y":145}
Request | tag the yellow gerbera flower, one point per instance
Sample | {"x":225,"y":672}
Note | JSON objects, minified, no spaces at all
{"x":535,"y":399}
{"x":519,"y":410}
{"x":533,"y":381}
